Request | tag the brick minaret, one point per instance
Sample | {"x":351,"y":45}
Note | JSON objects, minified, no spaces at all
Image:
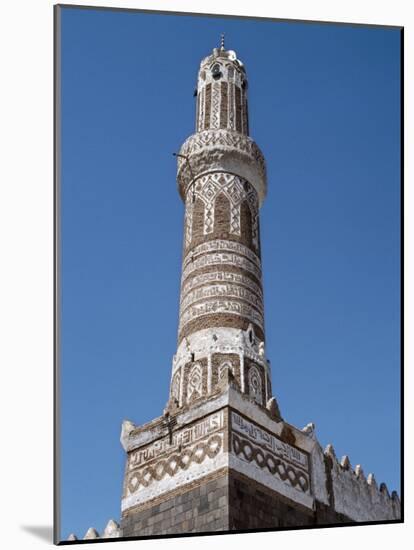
{"x":222,"y":181}
{"x":221,"y":457}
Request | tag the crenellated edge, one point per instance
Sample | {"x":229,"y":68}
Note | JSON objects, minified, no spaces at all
{"x":357,"y":495}
{"x":336,"y":483}
{"x":111,"y":531}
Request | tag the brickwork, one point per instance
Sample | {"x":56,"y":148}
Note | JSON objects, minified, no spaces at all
{"x":197,"y":223}
{"x":221,"y":206}
{"x":238,"y":109}
{"x":227,"y":502}
{"x":228,"y":220}
{"x":253,"y":506}
{"x":222,"y":362}
{"x":222,"y":83}
{"x":203,"y":508}
{"x":224,"y":320}
{"x":246,"y":236}
{"x":207,"y":111}
{"x":224,"y":105}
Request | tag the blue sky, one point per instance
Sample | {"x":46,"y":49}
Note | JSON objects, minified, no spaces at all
{"x":324,"y":105}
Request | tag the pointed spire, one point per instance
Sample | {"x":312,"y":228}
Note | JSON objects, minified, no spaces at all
{"x":72,"y":536}
{"x":91,"y":533}
{"x":222,"y":41}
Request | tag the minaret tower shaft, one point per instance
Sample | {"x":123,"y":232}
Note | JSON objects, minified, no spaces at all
{"x":222,"y":181}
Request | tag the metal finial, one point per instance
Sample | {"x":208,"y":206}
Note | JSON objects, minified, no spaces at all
{"x":222,"y":41}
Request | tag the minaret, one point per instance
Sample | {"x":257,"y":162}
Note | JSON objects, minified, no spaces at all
{"x":221,"y":457}
{"x":222,"y":181}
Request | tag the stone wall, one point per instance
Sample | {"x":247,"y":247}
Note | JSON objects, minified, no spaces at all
{"x":356,"y":495}
{"x":202,"y":508}
{"x":232,"y":432}
{"x":253,"y":506}
{"x":227,"y":502}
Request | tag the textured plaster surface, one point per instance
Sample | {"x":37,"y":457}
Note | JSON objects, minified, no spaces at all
{"x":360,"y":498}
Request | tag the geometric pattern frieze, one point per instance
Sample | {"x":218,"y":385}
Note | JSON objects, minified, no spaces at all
{"x":266,"y":461}
{"x":235,"y":189}
{"x":215,"y":106}
{"x":222,"y":104}
{"x":182,"y":438}
{"x":195,"y":382}
{"x":223,"y":138}
{"x":231,"y":108}
{"x":176,"y":462}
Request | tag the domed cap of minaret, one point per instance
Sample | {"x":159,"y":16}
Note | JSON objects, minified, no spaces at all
{"x":220,"y":54}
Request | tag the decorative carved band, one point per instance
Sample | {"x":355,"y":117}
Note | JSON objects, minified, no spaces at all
{"x":214,"y":122}
{"x":222,"y":138}
{"x":222,"y":258}
{"x":223,"y":151}
{"x":193,"y":444}
{"x":180,"y":461}
{"x":188,"y":230}
{"x":221,"y":306}
{"x":207,"y":188}
{"x":220,"y":245}
{"x":187,"y":436}
{"x":223,"y":291}
{"x":221,"y":277}
{"x":269,"y":441}
{"x":267,"y":461}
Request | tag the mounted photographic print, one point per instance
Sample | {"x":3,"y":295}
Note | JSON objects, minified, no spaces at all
{"x":228,"y":275}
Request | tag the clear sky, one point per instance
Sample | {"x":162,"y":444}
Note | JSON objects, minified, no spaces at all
{"x":324,"y":106}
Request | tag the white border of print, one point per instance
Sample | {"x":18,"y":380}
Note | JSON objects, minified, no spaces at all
{"x":26,"y":290}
